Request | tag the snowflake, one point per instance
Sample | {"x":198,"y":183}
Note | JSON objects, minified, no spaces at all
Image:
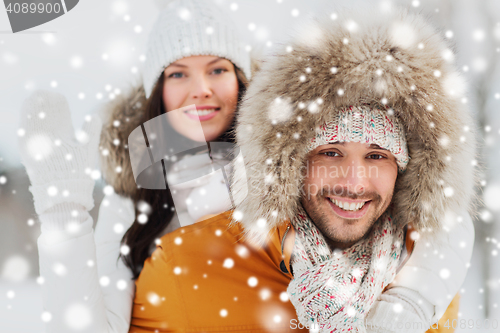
{"x":16,"y":268}
{"x":142,"y":218}
{"x":144,"y":207}
{"x":265,"y":294}
{"x":403,"y":35}
{"x":252,"y":281}
{"x":398,"y":308}
{"x":11,"y":294}
{"x":125,"y":250}
{"x":480,"y":64}
{"x":228,"y":263}
{"x":108,"y":190}
{"x":444,"y":273}
{"x":242,"y":251}
{"x":121,"y":284}
{"x":284,"y":296}
{"x":46,"y":317}
{"x":238,"y":215}
{"x":280,"y":110}
{"x":104,"y":281}
{"x":78,"y":316}
{"x":10,"y":58}
{"x":76,"y":62}
{"x":49,"y":38}
{"x":479,"y":35}
{"x":491,"y":195}
{"x":184,"y":14}
{"x":119,"y":7}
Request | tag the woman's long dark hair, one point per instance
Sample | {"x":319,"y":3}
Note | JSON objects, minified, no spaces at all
{"x":140,"y":237}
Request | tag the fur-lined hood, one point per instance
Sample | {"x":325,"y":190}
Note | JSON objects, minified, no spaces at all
{"x":120,"y":118}
{"x":393,"y":60}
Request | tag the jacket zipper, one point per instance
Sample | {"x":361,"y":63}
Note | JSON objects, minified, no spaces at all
{"x":283,"y":240}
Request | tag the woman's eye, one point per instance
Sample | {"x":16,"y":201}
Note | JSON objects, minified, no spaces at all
{"x":176,"y":75}
{"x":331,"y":153}
{"x":219,"y":71}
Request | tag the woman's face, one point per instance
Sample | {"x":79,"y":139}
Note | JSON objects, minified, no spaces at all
{"x":208,"y":82}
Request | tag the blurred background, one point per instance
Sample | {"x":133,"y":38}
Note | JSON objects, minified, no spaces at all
{"x":95,"y":52}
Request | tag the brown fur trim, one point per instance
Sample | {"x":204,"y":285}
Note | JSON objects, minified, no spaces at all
{"x":120,"y":118}
{"x":394,"y":58}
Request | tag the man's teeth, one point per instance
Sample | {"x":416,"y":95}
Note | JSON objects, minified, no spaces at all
{"x":201,"y":112}
{"x":348,"y":206}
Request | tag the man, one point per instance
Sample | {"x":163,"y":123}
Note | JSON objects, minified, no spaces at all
{"x":351,"y":137}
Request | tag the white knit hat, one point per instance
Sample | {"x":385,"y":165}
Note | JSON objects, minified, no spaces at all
{"x":188,"y":28}
{"x":366,"y":125}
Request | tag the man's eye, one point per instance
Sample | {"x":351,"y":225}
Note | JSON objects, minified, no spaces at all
{"x":176,"y":75}
{"x":376,"y":156}
{"x":331,"y":153}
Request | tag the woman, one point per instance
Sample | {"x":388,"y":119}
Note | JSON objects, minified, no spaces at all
{"x":193,"y":58}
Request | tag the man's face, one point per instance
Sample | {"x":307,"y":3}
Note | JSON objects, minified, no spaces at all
{"x":347,"y":188}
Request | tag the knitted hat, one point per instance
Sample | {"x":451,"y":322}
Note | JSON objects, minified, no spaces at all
{"x":188,"y":28}
{"x":366,"y":125}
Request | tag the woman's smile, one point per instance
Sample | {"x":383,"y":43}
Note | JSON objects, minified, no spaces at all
{"x":203,"y":112}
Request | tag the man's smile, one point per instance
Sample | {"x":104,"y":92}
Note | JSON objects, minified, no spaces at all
{"x":349,"y":209}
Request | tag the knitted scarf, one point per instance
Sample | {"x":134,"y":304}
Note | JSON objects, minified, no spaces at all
{"x":333,"y":291}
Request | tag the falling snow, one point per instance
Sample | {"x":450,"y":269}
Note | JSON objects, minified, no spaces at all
{"x":280,"y":110}
{"x":477,"y":67}
{"x":78,"y":316}
{"x":403,"y":35}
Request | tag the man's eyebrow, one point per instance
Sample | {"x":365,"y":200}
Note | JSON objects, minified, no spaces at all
{"x":375,"y":146}
{"x":372,"y":146}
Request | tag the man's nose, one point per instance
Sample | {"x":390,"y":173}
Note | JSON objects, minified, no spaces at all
{"x":354,"y":175}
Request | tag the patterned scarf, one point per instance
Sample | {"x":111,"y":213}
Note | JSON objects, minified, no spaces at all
{"x":333,"y":291}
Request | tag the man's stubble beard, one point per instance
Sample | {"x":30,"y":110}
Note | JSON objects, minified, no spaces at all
{"x":331,"y":231}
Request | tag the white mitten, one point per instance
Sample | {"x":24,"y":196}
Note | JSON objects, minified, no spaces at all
{"x":399,"y":309}
{"x":58,"y":163}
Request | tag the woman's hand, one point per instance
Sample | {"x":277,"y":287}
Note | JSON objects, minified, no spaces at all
{"x":58,"y":163}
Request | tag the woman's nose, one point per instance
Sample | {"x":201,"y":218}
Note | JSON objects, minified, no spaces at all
{"x":200,"y":88}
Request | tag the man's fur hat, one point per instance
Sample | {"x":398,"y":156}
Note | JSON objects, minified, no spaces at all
{"x":392,"y":60}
